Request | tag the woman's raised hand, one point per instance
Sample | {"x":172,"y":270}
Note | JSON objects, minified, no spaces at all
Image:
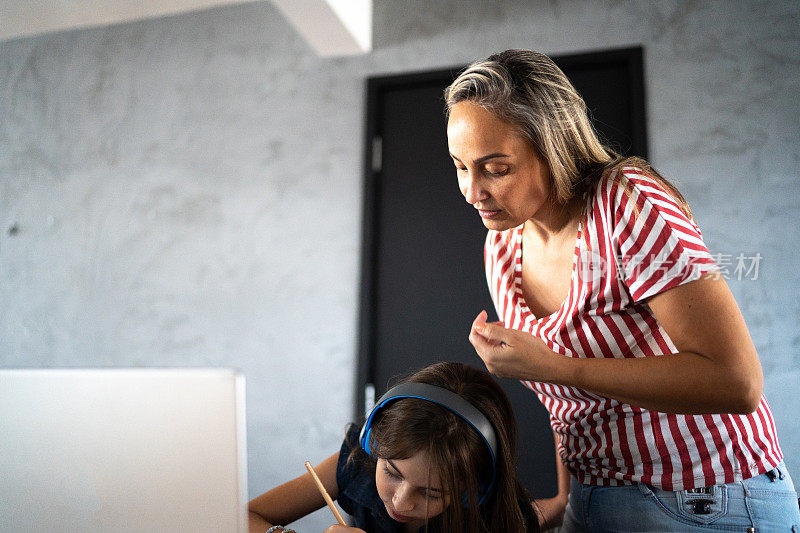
{"x":508,"y":353}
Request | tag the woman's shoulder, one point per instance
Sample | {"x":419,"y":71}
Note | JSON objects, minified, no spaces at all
{"x":638,"y":187}
{"x":617,"y":179}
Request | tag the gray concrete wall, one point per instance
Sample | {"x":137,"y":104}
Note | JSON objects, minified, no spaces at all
{"x":187,"y":190}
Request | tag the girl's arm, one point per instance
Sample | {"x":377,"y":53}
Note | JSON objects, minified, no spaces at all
{"x":294,"y":499}
{"x":716,"y":369}
{"x":551,"y":510}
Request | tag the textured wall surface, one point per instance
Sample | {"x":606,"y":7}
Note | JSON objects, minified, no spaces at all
{"x":187,"y":191}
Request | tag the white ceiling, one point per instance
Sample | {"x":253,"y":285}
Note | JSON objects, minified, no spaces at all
{"x":331,"y":27}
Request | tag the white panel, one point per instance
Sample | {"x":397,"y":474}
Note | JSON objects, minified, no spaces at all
{"x":356,"y":15}
{"x":113,"y":450}
{"x":332,"y":28}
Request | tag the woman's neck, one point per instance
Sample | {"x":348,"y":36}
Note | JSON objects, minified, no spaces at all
{"x":555,"y":220}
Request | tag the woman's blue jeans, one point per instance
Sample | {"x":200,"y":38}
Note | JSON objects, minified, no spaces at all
{"x":764,"y":503}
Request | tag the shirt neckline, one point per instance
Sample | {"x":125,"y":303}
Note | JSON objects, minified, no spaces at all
{"x":526,"y":312}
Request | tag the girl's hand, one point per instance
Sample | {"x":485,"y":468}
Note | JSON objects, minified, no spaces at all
{"x":336,"y":528}
{"x":550,"y":512}
{"x":508,"y":353}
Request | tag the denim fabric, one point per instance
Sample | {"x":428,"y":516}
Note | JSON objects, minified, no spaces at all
{"x":765,"y":503}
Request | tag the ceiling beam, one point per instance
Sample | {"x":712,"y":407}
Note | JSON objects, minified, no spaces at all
{"x":331,"y":27}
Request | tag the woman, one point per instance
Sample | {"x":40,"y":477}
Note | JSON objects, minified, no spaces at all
{"x":612,"y":310}
{"x":440,"y":457}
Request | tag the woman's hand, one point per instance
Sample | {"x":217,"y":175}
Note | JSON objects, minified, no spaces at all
{"x":336,"y":528}
{"x":508,"y":353}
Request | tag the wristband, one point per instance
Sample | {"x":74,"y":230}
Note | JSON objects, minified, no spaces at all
{"x":280,"y":529}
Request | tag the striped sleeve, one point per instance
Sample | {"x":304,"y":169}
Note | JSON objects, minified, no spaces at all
{"x":658,"y":246}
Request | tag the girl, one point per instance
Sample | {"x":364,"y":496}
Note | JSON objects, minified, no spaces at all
{"x":437,"y":458}
{"x":613,"y":311}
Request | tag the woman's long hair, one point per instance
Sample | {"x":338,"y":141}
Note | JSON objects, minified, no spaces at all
{"x":526,"y":89}
{"x":458,"y":453}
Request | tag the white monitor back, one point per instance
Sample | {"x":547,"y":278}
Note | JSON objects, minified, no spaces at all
{"x":122,"y":450}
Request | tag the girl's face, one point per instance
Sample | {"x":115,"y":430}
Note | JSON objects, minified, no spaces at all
{"x":499,"y":172}
{"x":403,"y":485}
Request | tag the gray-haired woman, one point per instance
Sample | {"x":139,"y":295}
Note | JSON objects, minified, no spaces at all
{"x":613,"y":311}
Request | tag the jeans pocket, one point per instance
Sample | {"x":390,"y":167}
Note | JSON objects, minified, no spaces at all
{"x":773,"y":510}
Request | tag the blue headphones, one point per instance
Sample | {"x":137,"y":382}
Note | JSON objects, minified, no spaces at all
{"x":450,"y":401}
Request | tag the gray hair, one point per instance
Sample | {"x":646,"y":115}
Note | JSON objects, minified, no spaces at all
{"x":526,"y":89}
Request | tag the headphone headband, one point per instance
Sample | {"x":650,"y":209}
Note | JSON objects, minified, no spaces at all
{"x":447,"y":399}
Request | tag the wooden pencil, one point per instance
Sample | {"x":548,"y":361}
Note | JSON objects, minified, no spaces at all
{"x":325,"y":494}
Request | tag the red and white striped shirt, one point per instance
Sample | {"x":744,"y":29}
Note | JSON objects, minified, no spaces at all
{"x":633,"y":242}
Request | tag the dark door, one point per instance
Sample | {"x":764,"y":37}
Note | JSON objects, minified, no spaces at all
{"x":423,"y":281}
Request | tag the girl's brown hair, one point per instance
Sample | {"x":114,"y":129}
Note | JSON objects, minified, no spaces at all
{"x":457,"y":452}
{"x":526,"y":89}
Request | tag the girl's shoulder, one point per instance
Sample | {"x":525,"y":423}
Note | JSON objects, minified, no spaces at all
{"x":351,"y":456}
{"x":358,"y":494}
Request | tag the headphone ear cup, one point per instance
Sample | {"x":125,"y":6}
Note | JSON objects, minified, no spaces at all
{"x":363,"y":436}
{"x":366,"y":429}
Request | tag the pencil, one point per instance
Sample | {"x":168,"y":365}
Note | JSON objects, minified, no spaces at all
{"x":325,"y":494}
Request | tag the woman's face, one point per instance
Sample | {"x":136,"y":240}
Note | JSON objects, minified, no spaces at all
{"x":499,"y":171}
{"x":408,"y":494}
